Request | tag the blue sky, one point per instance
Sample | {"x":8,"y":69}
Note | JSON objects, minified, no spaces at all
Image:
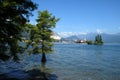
{"x":82,"y":16}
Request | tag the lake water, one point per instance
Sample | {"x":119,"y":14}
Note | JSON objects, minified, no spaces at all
{"x":75,"y":62}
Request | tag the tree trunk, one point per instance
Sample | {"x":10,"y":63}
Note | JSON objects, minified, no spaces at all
{"x":43,"y":60}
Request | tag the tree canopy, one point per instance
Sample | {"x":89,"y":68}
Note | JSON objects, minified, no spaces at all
{"x":98,"y":39}
{"x":13,"y":17}
{"x":40,"y":34}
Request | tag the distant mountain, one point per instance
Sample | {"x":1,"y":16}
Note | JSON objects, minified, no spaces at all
{"x":74,"y":37}
{"x":55,"y":36}
{"x":107,"y":38}
{"x":111,"y":38}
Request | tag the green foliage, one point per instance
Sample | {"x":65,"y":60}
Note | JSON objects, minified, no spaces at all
{"x":13,"y":17}
{"x":40,"y":34}
{"x":98,"y":40}
{"x":89,"y":42}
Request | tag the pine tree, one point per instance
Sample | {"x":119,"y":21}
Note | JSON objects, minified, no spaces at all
{"x":98,"y":39}
{"x":40,"y":34}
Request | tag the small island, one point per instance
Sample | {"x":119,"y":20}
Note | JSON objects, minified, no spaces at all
{"x":98,"y":40}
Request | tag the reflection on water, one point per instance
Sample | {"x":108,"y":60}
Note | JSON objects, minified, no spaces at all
{"x":73,"y":62}
{"x":33,"y":72}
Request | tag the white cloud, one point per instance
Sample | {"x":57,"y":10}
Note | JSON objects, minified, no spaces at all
{"x":99,"y":31}
{"x":67,"y":34}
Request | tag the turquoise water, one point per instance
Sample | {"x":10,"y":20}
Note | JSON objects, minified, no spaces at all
{"x":76,"y":62}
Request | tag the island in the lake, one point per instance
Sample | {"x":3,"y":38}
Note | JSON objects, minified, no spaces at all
{"x":98,"y":40}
